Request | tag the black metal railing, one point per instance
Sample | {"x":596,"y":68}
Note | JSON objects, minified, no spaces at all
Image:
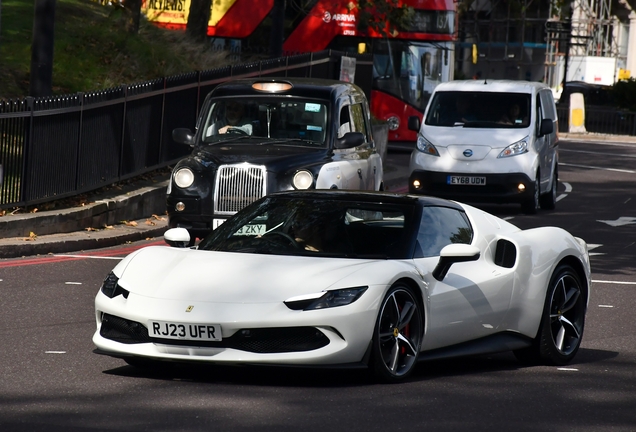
{"x":61,"y":146}
{"x":602,"y":120}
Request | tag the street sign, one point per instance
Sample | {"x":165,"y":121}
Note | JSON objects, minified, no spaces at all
{"x":558,"y":26}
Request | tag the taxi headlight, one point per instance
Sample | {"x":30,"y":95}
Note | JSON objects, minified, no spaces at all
{"x":184,"y":177}
{"x":303,"y":179}
{"x":425,"y":146}
{"x":514,"y":149}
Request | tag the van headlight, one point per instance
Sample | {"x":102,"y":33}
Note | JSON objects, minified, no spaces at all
{"x":425,"y":146}
{"x":514,"y":149}
{"x":184,"y":177}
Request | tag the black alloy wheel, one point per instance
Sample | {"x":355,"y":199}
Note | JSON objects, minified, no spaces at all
{"x":398,"y":335}
{"x":561,"y":329}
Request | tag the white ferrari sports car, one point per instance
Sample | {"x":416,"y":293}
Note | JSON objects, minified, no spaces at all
{"x":335,"y":278}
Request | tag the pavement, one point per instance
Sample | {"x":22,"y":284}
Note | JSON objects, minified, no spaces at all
{"x":131,"y":212}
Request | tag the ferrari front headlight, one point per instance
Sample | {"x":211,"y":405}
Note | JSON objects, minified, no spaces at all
{"x":110,"y":287}
{"x":183,"y":177}
{"x":425,"y":146}
{"x":333,"y":298}
{"x":514,"y":149}
{"x":303,"y":179}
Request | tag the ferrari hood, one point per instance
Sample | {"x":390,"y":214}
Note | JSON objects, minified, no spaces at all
{"x":226,"y":277}
{"x":475,"y":137}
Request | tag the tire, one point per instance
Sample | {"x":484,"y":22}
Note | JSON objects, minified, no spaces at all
{"x":531,"y":205}
{"x":562,"y":323}
{"x":547,"y":201}
{"x":397,"y":336}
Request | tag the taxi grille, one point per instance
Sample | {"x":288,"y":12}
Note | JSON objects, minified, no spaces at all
{"x":238,"y":186}
{"x":261,"y":341}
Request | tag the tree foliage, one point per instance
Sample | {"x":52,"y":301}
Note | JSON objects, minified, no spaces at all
{"x":384,"y":17}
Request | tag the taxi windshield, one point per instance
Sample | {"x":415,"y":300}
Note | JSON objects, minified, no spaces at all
{"x":298,"y":122}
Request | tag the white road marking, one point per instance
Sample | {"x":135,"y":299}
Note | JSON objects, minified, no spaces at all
{"x":89,"y":256}
{"x":568,"y":189}
{"x":568,"y":369}
{"x":598,"y":168}
{"x":72,"y":283}
{"x":54,"y":352}
{"x":606,"y":306}
{"x":602,"y":143}
{"x":623,"y":220}
{"x":614,"y":282}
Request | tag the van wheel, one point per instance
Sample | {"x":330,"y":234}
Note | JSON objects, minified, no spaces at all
{"x":548,"y":200}
{"x":531,"y":205}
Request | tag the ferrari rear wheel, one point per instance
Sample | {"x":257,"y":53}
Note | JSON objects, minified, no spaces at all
{"x":561,"y":329}
{"x":397,"y":336}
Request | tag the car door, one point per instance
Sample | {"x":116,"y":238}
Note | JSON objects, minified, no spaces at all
{"x":549,"y":111}
{"x":353,"y":164}
{"x":541,"y":143}
{"x":473,"y":299}
{"x":368,"y":156}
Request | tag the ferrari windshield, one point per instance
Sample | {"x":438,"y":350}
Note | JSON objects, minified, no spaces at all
{"x":301,"y":122}
{"x":317,"y":227}
{"x":479,"y":109}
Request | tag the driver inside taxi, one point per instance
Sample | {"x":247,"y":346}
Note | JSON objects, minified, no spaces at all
{"x":235,"y":120}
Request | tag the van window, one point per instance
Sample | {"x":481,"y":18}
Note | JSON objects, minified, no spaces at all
{"x":479,"y":109}
{"x":547,"y":101}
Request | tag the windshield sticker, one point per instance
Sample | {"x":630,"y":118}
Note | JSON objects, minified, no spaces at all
{"x":314,"y":128}
{"x":312,"y":107}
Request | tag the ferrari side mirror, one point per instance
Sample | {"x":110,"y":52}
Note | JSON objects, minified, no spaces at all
{"x":454,"y":253}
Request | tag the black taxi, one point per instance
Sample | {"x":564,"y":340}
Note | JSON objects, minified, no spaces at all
{"x":261,"y":135}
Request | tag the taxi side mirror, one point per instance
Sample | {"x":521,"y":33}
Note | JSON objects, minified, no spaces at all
{"x":183,"y":136}
{"x":349,"y":140}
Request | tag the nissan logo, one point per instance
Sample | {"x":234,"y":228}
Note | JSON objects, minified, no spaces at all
{"x":468,"y":153}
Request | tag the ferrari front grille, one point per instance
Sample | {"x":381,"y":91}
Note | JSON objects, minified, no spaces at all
{"x":123,"y":331}
{"x":238,"y":186}
{"x":264,"y":340}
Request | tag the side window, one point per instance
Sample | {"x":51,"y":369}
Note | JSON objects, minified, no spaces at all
{"x":539,"y":116}
{"x":357,"y":117}
{"x":547,"y":101}
{"x":345,"y":121}
{"x":439,"y":227}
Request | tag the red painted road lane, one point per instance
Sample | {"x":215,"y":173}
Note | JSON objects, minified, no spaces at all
{"x":115,"y":252}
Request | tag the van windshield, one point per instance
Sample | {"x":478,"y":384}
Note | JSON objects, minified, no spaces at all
{"x":479,"y":109}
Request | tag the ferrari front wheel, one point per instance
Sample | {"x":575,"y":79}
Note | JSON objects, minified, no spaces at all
{"x":561,"y":329}
{"x":397,"y":335}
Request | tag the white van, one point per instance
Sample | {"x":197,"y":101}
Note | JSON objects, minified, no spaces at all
{"x":488,"y":141}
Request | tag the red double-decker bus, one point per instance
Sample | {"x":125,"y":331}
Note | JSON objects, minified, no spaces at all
{"x":407,"y":65}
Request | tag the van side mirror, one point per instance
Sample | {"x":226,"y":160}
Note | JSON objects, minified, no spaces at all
{"x":414,"y":123}
{"x":349,"y":140}
{"x":183,"y":136}
{"x":547,"y":127}
{"x":454,"y":253}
